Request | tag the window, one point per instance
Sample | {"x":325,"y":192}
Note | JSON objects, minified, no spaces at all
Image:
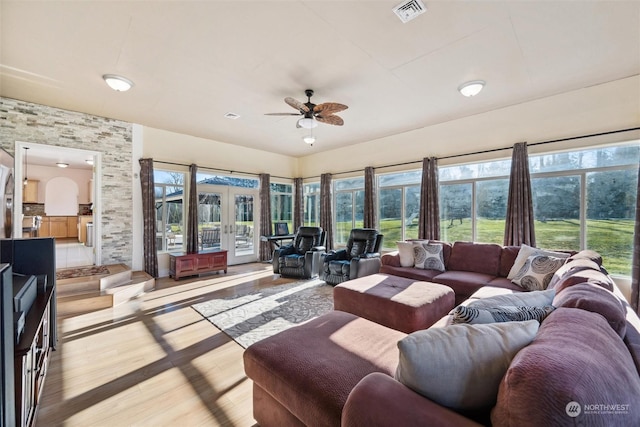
{"x":169,"y":195}
{"x":399,"y":206}
{"x":349,"y":207}
{"x":311,"y":204}
{"x":282,"y":204}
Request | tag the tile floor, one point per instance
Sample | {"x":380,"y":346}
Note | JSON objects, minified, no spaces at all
{"x":71,"y":253}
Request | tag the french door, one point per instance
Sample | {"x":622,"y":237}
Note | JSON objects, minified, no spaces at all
{"x":227,"y":219}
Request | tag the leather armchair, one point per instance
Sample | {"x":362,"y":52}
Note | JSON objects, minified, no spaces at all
{"x":360,"y":258}
{"x":302,"y":257}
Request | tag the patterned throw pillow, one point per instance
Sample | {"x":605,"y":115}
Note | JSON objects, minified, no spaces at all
{"x":428,"y":256}
{"x":466,"y":314}
{"x":537,"y":272}
{"x":527,"y":251}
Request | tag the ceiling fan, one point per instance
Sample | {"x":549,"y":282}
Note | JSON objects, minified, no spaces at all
{"x":312,"y":113}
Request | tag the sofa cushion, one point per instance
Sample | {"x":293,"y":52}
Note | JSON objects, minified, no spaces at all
{"x":537,"y":272}
{"x":525,"y":252}
{"x":596,"y":299}
{"x":507,"y":258}
{"x":405,"y":252}
{"x":409,"y":272}
{"x":580,"y":271}
{"x":474,"y":315}
{"x":428,"y":256}
{"x":475,"y":257}
{"x":463,"y":283}
{"x":486,"y":298}
{"x":437,"y":362}
{"x":576,"y":357}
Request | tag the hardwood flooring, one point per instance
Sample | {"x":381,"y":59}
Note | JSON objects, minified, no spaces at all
{"x":153,"y":361}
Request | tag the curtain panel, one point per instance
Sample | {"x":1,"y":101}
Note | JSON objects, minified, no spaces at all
{"x":265,"y":216}
{"x":519,"y":226}
{"x":635,"y":269}
{"x":429,"y":220}
{"x":298,"y":204}
{"x":369,"y":198}
{"x":149,"y":217}
{"x":325,"y":209}
{"x":192,"y":213}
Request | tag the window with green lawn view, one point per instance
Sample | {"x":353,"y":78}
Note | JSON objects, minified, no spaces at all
{"x":398,"y":206}
{"x":282,"y":204}
{"x":311,"y":194}
{"x":349,"y":208}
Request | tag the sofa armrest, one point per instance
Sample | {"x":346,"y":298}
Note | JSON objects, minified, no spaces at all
{"x":379,"y":400}
{"x":361,"y":267}
{"x":335,"y":255}
{"x":318,"y":249}
{"x":391,"y":258}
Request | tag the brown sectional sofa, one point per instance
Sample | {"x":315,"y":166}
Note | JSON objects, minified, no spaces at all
{"x":469,"y":267}
{"x":339,"y":369}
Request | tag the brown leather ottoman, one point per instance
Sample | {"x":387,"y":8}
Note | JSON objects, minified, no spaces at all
{"x":399,"y":303}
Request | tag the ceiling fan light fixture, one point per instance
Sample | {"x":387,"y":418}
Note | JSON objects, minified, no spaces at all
{"x":309,"y":139}
{"x":471,"y":88}
{"x":118,"y":83}
{"x":307,"y":123}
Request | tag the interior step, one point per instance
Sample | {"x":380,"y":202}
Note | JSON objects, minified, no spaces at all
{"x":85,"y":294}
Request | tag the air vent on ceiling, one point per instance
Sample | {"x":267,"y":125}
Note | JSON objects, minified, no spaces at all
{"x":408,"y":10}
{"x":232,"y":116}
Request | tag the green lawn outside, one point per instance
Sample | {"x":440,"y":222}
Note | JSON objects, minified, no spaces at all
{"x":613,"y":239}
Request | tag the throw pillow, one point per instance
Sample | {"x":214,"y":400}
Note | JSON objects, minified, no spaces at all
{"x":428,"y":256}
{"x":525,"y":252}
{"x":537,"y":272}
{"x":464,"y":314}
{"x":405,"y":252}
{"x":530,"y":299}
{"x":461,"y":366}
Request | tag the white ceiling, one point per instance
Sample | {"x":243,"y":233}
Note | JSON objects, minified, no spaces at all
{"x":193,"y":62}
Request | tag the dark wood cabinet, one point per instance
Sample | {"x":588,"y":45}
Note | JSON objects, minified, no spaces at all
{"x":183,"y":264}
{"x":32,"y":358}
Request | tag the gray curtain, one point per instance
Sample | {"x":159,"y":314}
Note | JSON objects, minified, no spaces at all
{"x":519,"y":227}
{"x":298,"y":204}
{"x":265,"y":216}
{"x":192,"y":214}
{"x":149,"y":217}
{"x":369,"y":198}
{"x":635,"y":265}
{"x":325,"y":209}
{"x":429,"y":219}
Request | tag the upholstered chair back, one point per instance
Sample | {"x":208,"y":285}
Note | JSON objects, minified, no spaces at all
{"x":307,"y":238}
{"x":362,"y":241}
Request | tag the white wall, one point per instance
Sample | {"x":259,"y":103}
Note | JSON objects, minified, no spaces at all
{"x":45,"y":173}
{"x":610,"y":106}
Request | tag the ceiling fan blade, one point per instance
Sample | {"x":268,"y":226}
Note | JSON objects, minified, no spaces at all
{"x":296,"y":104}
{"x":329,"y":108}
{"x":282,"y":114}
{"x":330,"y":120}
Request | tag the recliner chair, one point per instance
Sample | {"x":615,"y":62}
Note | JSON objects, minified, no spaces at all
{"x":302,"y":257}
{"x":360,"y":258}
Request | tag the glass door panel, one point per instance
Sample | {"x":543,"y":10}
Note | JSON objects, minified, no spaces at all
{"x":244,"y":227}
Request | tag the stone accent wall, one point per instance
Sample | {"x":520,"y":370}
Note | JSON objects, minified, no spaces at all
{"x":27,"y":122}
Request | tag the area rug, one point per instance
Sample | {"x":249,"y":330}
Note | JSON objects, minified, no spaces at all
{"x":70,"y":273}
{"x":260,"y":314}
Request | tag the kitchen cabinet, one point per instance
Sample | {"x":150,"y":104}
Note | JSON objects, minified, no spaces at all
{"x":30,"y":193}
{"x":61,"y":227}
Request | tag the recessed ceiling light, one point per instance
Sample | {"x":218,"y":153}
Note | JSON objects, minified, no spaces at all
{"x":471,"y":88}
{"x":62,"y":165}
{"x":118,"y":83}
{"x":232,"y":116}
{"x":89,"y":161}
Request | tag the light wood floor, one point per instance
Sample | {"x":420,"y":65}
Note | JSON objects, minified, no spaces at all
{"x":153,"y":361}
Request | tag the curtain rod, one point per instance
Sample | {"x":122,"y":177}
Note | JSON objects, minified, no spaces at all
{"x":490,"y":150}
{"x":217,"y":169}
